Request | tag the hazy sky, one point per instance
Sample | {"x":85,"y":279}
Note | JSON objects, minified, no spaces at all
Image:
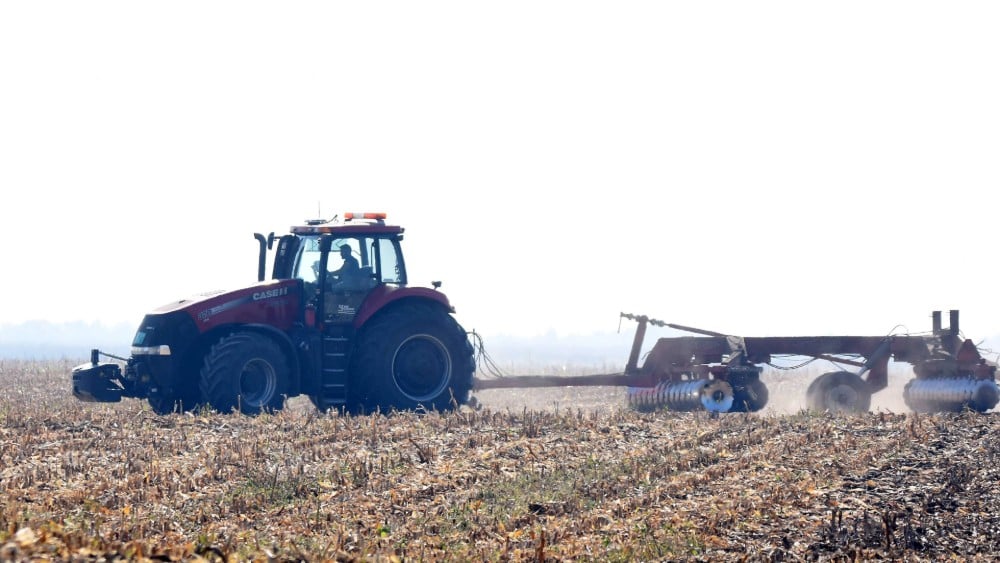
{"x":756,"y":168}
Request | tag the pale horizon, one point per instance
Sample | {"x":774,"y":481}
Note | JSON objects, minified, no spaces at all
{"x":773,"y":168}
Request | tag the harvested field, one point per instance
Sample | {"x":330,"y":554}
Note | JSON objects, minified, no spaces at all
{"x":562,"y":474}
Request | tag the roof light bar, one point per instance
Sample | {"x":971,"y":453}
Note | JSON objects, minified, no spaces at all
{"x":354,"y":215}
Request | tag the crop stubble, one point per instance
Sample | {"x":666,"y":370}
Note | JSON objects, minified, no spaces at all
{"x":553,"y":474}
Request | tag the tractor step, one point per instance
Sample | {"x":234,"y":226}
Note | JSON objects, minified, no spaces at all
{"x":336,"y":359}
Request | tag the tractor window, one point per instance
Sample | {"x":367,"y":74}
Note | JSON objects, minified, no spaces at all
{"x":286,"y":257}
{"x":343,"y":252}
{"x":391,"y":263}
{"x":307,"y":265}
{"x":349,"y":265}
{"x":372,"y":261}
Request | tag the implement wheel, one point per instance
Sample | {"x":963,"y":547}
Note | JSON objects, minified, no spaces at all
{"x":839,"y":391}
{"x":751,"y":397}
{"x":245,"y":371}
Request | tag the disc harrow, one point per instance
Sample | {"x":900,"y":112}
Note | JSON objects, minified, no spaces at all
{"x":721,"y":373}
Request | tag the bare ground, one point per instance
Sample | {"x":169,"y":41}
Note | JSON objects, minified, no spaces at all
{"x":563,"y":474}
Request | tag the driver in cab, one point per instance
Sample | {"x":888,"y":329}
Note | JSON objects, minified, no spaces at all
{"x":348,"y":272}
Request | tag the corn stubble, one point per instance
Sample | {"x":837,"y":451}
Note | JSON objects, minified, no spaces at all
{"x":508,"y":482}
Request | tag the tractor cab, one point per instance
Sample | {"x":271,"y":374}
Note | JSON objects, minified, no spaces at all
{"x":340,"y":263}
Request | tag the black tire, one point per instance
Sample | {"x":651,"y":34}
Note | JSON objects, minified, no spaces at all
{"x":752,"y":397}
{"x":839,"y":391}
{"x":185,"y":401}
{"x":320,"y":406}
{"x":247,"y":372}
{"x":413,"y":356}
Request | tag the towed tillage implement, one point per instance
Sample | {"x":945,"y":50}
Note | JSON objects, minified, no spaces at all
{"x":721,"y":373}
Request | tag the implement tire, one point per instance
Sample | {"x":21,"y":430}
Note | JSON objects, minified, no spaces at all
{"x":839,"y":391}
{"x":413,"y":356}
{"x":752,"y":397}
{"x":247,"y":372}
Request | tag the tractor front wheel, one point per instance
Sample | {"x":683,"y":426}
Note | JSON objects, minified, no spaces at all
{"x":247,"y":372}
{"x":185,"y":401}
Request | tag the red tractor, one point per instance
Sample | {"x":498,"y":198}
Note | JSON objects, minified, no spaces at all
{"x":336,"y":321}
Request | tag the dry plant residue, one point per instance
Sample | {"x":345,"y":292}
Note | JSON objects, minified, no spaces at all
{"x":548,"y":475}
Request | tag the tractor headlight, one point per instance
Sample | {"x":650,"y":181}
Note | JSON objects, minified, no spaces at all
{"x":161,"y":350}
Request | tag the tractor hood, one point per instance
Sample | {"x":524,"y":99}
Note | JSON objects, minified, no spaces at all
{"x":274,"y":302}
{"x":191,"y":301}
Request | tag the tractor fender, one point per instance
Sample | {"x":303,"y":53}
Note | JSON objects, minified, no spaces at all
{"x":383,"y":296}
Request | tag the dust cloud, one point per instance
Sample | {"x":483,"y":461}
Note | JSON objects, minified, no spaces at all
{"x":786,"y":391}
{"x":572,"y":399}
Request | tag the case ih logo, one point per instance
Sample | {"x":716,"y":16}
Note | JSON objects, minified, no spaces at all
{"x":270,"y":293}
{"x":206,"y":314}
{"x":209,"y":313}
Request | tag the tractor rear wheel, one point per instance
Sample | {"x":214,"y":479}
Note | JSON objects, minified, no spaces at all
{"x":839,"y":391}
{"x":247,"y":372}
{"x":410,"y":357}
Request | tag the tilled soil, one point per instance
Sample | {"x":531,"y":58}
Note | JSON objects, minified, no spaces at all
{"x":562,"y":474}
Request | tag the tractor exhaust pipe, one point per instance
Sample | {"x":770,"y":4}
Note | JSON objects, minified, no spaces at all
{"x":265,"y":244}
